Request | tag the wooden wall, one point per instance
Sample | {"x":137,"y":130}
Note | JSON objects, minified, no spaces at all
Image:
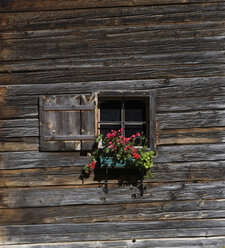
{"x":65,"y":47}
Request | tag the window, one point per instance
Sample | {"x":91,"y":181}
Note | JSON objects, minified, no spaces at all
{"x":131,"y":114}
{"x":71,"y":122}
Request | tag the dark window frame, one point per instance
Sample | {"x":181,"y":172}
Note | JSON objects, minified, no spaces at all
{"x":123,"y":122}
{"x":151,"y":95}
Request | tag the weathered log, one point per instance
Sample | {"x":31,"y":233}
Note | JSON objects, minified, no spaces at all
{"x":25,"y":5}
{"x":70,"y":175}
{"x":209,"y":242}
{"x":21,"y":234}
{"x":200,"y":86}
{"x":68,"y":195}
{"x":165,"y":154}
{"x":149,"y":211}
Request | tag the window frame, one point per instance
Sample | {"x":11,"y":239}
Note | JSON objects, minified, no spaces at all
{"x":150,"y":94}
{"x":123,"y":123}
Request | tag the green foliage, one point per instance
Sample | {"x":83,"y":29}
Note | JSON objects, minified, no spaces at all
{"x":145,"y":163}
{"x":118,"y":147}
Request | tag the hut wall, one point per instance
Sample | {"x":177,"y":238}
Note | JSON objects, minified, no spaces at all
{"x":63,"y":47}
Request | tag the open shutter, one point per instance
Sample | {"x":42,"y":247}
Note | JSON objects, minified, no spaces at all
{"x":67,"y":122}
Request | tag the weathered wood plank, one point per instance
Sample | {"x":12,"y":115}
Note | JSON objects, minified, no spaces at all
{"x":192,"y":136}
{"x":201,"y":152}
{"x":178,"y":104}
{"x":26,"y":123}
{"x":165,"y":154}
{"x":200,"y":86}
{"x":11,"y":146}
{"x":23,"y":111}
{"x":25,"y":5}
{"x":29,"y":159}
{"x":115,"y":73}
{"x":192,"y":119}
{"x":169,"y":30}
{"x":193,"y":242}
{"x":175,"y":210}
{"x":18,"y":101}
{"x":19,"y":128}
{"x":178,"y":60}
{"x":106,"y":16}
{"x":20,"y":234}
{"x":63,"y":196}
{"x":70,"y":175}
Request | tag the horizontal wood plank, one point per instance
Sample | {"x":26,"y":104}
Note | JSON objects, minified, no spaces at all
{"x":21,"y":234}
{"x":165,"y":154}
{"x":68,"y":195}
{"x":191,"y":136}
{"x":125,"y":15}
{"x":70,"y":175}
{"x":215,"y":118}
{"x":35,"y":159}
{"x":184,"y":153}
{"x":25,"y":5}
{"x":200,"y":86}
{"x":209,"y":242}
{"x":149,"y":211}
{"x":68,"y":108}
{"x":19,"y":128}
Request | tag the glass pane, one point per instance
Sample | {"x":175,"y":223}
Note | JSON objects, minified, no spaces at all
{"x":110,"y":110}
{"x":104,"y":129}
{"x":135,"y":110}
{"x":133,"y":129}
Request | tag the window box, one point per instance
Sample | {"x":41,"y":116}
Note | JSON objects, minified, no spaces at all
{"x":112,"y":163}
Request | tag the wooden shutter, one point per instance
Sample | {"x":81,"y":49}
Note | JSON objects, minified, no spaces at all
{"x":67,"y":122}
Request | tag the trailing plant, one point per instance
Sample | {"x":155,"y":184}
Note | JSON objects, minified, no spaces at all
{"x":131,"y":151}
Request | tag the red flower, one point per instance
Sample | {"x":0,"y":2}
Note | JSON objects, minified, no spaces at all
{"x":111,"y":146}
{"x":136,"y":156}
{"x":134,"y":150}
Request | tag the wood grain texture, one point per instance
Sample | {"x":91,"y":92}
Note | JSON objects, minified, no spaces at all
{"x":68,"y":47}
{"x":191,"y":136}
{"x":137,"y":243}
{"x":165,"y":154}
{"x":149,"y":211}
{"x":20,"y":234}
{"x":70,"y":195}
{"x":178,"y":40}
{"x":34,"y":159}
{"x":25,"y":5}
{"x":125,"y":15}
{"x":199,"y":86}
{"x":70,"y":175}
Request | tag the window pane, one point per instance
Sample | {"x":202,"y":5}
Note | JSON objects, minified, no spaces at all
{"x":104,"y":129}
{"x":135,"y":110}
{"x":133,"y":129}
{"x":110,"y":110}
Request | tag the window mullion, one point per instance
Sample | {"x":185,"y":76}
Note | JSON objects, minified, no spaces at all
{"x":123,"y":116}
